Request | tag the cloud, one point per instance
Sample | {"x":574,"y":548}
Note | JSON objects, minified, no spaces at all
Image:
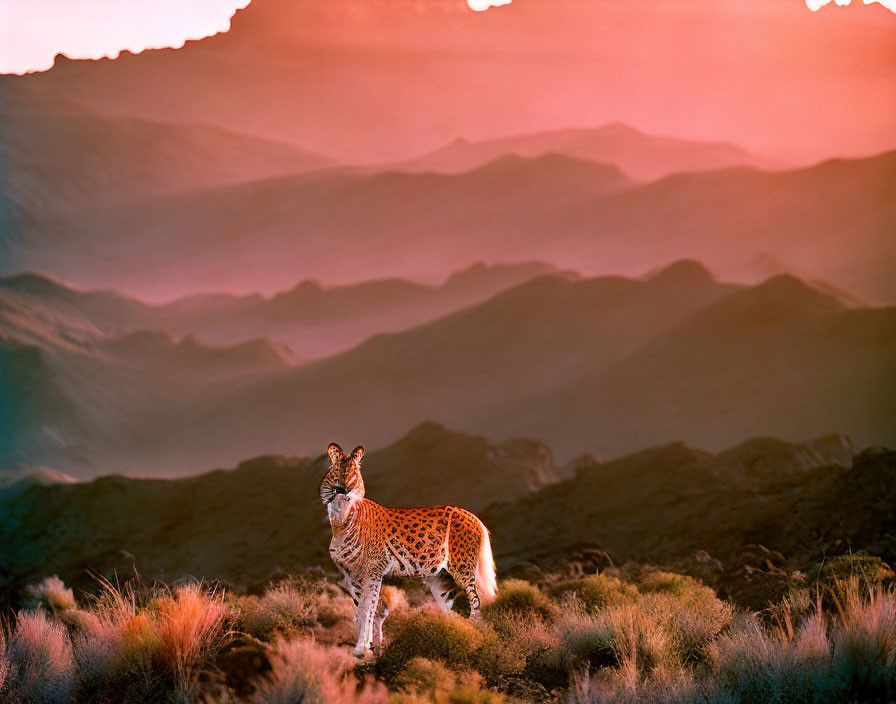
{"x":816,"y":5}
{"x":481,"y":5}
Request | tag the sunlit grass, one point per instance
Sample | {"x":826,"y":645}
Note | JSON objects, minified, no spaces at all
{"x":658,"y":638}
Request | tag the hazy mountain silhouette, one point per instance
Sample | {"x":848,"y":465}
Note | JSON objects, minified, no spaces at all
{"x":314,"y":74}
{"x":61,"y":158}
{"x":780,"y":358}
{"x":647,"y":366}
{"x":73,"y":398}
{"x":313,"y":320}
{"x":832,"y":221}
{"x":641,"y":155}
{"x":602,"y":365}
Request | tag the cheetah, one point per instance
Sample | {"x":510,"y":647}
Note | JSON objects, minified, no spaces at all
{"x":446,"y":546}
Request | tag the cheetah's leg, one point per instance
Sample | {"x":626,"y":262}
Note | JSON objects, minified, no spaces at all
{"x":466,"y":580}
{"x":370,"y":596}
{"x":382,"y":611}
{"x":443,"y":589}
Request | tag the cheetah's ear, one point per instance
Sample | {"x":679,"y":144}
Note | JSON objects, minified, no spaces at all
{"x":335,"y":452}
{"x":357,"y":454}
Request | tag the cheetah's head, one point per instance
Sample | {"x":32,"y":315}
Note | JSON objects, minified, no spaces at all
{"x":343,"y":483}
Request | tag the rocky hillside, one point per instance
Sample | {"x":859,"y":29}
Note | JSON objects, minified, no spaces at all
{"x":806,"y":501}
{"x":243,"y":524}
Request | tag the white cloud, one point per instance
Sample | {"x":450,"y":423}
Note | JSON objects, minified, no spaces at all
{"x":816,"y":5}
{"x":480,"y":5}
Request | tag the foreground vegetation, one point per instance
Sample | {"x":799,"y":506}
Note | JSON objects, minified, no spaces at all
{"x":638,"y":636}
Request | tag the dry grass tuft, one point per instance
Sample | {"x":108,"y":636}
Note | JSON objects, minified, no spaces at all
{"x":434,"y":635}
{"x":426,"y":681}
{"x":50,"y":594}
{"x":38,"y":661}
{"x":287,"y":608}
{"x":520,"y":598}
{"x":598,"y":591}
{"x":303,"y":671}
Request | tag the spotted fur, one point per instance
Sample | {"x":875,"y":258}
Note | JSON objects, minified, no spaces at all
{"x":446,"y":546}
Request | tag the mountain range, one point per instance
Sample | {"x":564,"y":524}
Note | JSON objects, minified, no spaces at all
{"x":832,"y":221}
{"x":313,"y":320}
{"x":603,"y":365}
{"x":644,"y":157}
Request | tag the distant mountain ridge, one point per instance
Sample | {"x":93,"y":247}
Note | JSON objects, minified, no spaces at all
{"x":63,"y":157}
{"x":603,"y":365}
{"x":314,"y":320}
{"x":832,"y":221}
{"x":642,"y":156}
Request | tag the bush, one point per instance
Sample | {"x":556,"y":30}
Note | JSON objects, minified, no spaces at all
{"x":598,"y":591}
{"x":865,"y":570}
{"x":38,"y":663}
{"x":426,"y":681}
{"x":152,"y":652}
{"x":523,"y":648}
{"x":285,"y":608}
{"x":588,"y":641}
{"x":51,"y":594}
{"x":305,"y":672}
{"x":520,"y":598}
{"x":189,"y":626}
{"x":863,"y":640}
{"x":434,"y":635}
{"x":652,"y":581}
{"x":848,"y":657}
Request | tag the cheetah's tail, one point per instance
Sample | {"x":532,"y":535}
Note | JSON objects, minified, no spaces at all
{"x":486,"y":586}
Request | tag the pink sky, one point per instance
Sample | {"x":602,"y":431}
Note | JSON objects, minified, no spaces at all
{"x":771,"y":75}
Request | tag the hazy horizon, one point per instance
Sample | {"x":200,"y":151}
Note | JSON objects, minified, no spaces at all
{"x":829,"y":67}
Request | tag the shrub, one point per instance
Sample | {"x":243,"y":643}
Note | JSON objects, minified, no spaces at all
{"x":189,"y":626}
{"x":864,"y":571}
{"x":284,"y":608}
{"x":303,"y":671}
{"x":652,"y":581}
{"x":864,"y":643}
{"x":598,"y":591}
{"x":445,"y":637}
{"x":588,"y":640}
{"x":39,"y":664}
{"x":677,"y":686}
{"x":523,"y":648}
{"x":151,"y":653}
{"x":51,"y":594}
{"x":4,"y":660}
{"x":431,"y":682}
{"x":520,"y":598}
{"x":656,"y":630}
